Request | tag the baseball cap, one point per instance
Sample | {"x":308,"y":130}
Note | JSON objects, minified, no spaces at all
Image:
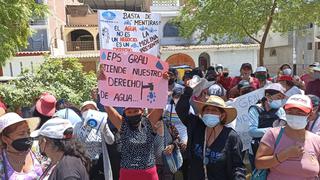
{"x":277,"y":87}
{"x":89,"y":103}
{"x":302,"y":102}
{"x":46,"y":105}
{"x":243,"y":84}
{"x":261,"y":69}
{"x":55,"y":128}
{"x":246,"y":65}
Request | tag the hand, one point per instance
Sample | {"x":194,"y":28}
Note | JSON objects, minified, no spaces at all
{"x":158,"y":127}
{"x":294,"y":151}
{"x":166,"y":75}
{"x":183,"y":147}
{"x":168,"y":150}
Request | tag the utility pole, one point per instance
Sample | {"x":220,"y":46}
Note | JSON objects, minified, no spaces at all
{"x":294,"y":53}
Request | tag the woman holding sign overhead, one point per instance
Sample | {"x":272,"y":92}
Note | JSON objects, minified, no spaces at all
{"x":137,"y":134}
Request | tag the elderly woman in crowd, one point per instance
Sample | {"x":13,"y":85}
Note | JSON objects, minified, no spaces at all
{"x":68,"y":157}
{"x":215,"y":150}
{"x":17,"y":161}
{"x":296,"y":155}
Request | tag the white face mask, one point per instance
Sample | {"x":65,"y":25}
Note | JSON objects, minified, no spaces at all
{"x":297,"y":122}
{"x":287,"y":71}
{"x":276,"y":104}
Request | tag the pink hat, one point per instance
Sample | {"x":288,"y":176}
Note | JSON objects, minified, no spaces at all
{"x":46,"y":105}
{"x":299,"y":101}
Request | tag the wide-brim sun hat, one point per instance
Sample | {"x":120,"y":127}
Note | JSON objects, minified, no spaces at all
{"x":216,"y":101}
{"x":46,"y":105}
{"x":299,"y":101}
{"x":199,"y":84}
{"x":12,"y":118}
{"x":89,"y":103}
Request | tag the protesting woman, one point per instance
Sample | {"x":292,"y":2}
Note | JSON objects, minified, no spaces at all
{"x":215,"y":149}
{"x":68,"y":158}
{"x":295,"y":156}
{"x":17,"y":161}
{"x":137,"y":133}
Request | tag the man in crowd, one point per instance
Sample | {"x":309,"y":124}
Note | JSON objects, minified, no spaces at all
{"x":313,"y":86}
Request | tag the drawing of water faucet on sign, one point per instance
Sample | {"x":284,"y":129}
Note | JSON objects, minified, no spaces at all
{"x":151,"y":97}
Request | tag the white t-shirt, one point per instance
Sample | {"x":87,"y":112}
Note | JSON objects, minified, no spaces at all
{"x":182,"y":129}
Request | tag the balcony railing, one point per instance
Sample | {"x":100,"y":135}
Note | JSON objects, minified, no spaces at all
{"x":80,"y":45}
{"x":166,"y":3}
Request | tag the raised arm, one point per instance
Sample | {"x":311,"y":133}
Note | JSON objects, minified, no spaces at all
{"x":115,"y":118}
{"x":183,"y":106}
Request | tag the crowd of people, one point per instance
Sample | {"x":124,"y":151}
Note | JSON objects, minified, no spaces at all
{"x":190,"y":135}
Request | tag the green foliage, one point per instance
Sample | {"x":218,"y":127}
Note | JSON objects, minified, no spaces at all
{"x":64,"y":78}
{"x":14,"y":24}
{"x":242,"y":18}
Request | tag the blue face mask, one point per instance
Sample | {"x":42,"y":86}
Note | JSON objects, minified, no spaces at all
{"x":211,"y":120}
{"x":276,"y":104}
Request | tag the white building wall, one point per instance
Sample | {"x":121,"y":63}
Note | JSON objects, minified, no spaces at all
{"x":28,"y":62}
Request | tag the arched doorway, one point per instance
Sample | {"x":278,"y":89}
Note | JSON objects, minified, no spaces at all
{"x":204,"y":61}
{"x":80,"y":40}
{"x":180,"y":59}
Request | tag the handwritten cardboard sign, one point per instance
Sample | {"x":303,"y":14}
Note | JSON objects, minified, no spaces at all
{"x":131,"y":79}
{"x":125,"y":31}
{"x":241,"y":124}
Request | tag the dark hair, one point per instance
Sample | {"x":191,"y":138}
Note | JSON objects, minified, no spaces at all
{"x":43,"y":118}
{"x":197,"y":71}
{"x":72,"y":147}
{"x":283,"y":65}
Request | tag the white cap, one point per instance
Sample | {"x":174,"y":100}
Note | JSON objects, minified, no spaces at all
{"x":54,"y":128}
{"x":199,"y":84}
{"x":302,"y":102}
{"x":87,"y":103}
{"x":261,"y":69}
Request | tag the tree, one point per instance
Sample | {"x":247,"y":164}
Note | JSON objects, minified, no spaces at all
{"x":14,"y":25}
{"x":64,"y":78}
{"x":245,"y":18}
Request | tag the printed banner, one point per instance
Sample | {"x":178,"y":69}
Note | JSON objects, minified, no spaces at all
{"x":125,"y":31}
{"x":131,"y":79}
{"x":241,"y":124}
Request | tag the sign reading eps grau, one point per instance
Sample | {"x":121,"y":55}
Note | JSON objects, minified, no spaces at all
{"x":132,"y":79}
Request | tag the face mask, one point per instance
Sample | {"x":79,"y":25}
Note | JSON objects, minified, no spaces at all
{"x":297,"y":122}
{"x":261,"y":77}
{"x":211,"y":120}
{"x":171,"y":81}
{"x":275,"y":104}
{"x":84,"y":114}
{"x":22,"y":144}
{"x":316,"y":75}
{"x":287,"y":71}
{"x":133,"y":121}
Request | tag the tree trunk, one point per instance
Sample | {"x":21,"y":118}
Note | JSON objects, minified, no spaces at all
{"x":261,"y":54}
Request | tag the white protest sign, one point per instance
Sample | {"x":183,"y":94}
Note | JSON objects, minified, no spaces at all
{"x":241,"y":124}
{"x":125,"y":31}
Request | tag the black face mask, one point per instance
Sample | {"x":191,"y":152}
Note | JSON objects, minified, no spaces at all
{"x":133,"y":121}
{"x":23,"y":144}
{"x":171,"y":81}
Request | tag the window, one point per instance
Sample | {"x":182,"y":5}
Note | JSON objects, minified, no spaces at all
{"x":273,"y":52}
{"x":309,"y":46}
{"x":170,"y":30}
{"x":318,"y":44}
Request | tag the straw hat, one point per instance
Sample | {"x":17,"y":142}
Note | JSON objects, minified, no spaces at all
{"x":11,"y":118}
{"x":216,"y":101}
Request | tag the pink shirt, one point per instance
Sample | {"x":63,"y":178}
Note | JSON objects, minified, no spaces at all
{"x":300,"y":168}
